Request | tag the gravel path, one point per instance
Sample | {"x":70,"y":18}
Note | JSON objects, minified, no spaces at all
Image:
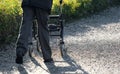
{"x":93,"y":47}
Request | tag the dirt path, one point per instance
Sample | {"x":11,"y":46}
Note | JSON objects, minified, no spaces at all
{"x":93,"y":47}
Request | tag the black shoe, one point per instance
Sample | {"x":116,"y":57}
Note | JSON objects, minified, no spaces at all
{"x":19,"y":60}
{"x":48,"y":60}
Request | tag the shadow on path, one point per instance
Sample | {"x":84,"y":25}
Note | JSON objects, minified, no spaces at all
{"x":97,"y":21}
{"x":72,"y":68}
{"x":37,"y":63}
{"x":7,"y":62}
{"x":22,"y":70}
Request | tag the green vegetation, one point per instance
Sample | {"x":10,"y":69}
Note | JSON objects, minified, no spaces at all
{"x":10,"y":13}
{"x":80,"y":8}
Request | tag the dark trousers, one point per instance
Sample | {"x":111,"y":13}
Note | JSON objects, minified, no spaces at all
{"x":26,"y":30}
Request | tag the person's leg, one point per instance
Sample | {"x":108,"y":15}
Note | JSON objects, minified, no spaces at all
{"x":25,"y":33}
{"x":43,"y":34}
